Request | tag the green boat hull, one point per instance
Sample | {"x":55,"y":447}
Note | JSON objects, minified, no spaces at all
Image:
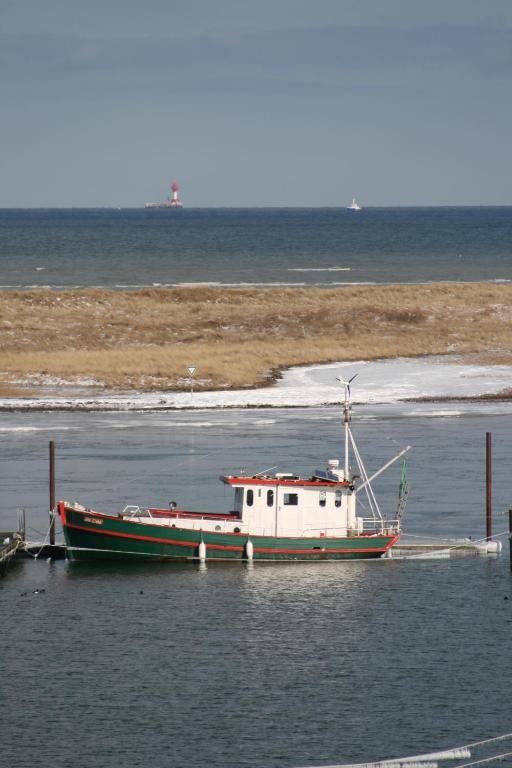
{"x":91,"y":536}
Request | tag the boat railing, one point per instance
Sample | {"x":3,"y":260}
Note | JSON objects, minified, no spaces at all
{"x":132,"y":510}
{"x":369,"y":525}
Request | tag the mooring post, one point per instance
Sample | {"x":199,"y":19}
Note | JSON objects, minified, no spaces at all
{"x":510,"y":535}
{"x":488,"y":482}
{"x":52,"y":491}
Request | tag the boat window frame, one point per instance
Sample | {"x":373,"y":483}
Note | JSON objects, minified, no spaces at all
{"x":249,"y":497}
{"x":287,"y":499}
{"x":239,"y":498}
{"x":270,"y":497}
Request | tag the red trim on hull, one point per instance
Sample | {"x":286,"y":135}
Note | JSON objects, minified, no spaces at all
{"x":153,"y":539}
{"x":231,"y":480}
{"x":225,"y":547}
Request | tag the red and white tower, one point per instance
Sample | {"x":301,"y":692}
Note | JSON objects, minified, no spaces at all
{"x":175,"y":200}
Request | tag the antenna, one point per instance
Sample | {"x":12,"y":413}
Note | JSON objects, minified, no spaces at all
{"x":264,"y":471}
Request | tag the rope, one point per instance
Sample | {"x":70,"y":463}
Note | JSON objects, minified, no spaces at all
{"x":459,"y":544}
{"x":449,"y":549}
{"x":485,"y":760}
{"x":503,"y":737}
{"x":52,"y":516}
{"x":115,"y":551}
{"x":454,"y":753}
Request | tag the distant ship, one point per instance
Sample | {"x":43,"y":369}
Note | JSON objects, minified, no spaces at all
{"x":173,"y":201}
{"x":354,"y":206}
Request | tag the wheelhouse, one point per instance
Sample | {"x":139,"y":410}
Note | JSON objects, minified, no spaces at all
{"x":288,"y":505}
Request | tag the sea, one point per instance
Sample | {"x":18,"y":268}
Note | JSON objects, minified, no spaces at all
{"x":270,"y":665}
{"x":130,"y":248}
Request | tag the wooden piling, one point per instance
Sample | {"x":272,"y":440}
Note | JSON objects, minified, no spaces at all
{"x":488,"y":483}
{"x":52,"y":491}
{"x":510,"y":535}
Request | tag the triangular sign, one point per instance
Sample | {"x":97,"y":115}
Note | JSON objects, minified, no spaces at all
{"x":191,"y":369}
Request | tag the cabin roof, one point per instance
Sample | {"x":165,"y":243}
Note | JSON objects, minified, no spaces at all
{"x":295,"y":482}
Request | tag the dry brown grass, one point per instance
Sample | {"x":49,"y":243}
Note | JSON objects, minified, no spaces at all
{"x":240,"y":337}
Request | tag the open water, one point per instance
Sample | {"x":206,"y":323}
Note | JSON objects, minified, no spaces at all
{"x":327,"y":246}
{"x":271,"y":666}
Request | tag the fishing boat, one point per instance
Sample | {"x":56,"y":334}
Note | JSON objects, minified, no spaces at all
{"x":354,"y":206}
{"x":275,"y":517}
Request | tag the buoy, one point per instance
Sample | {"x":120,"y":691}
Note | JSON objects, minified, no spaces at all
{"x":202,"y":551}
{"x":249,"y":549}
{"x":489,"y":548}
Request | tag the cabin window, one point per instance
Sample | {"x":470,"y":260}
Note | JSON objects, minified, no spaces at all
{"x":292,"y":499}
{"x":337,"y":499}
{"x":270,"y":498}
{"x":249,"y":498}
{"x":239,"y":497}
{"x":323,"y":498}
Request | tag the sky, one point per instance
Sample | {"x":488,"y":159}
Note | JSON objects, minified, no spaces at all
{"x":255,"y":102}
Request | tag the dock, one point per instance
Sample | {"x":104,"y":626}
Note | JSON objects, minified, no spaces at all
{"x":36,"y":549}
{"x":11,"y":542}
{"x":445,"y":548}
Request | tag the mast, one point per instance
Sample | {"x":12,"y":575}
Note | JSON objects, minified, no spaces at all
{"x":346,"y":420}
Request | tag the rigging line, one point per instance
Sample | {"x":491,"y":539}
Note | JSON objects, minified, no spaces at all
{"x":459,"y":542}
{"x":485,"y":760}
{"x":420,"y":536}
{"x":400,"y":761}
{"x":368,"y":488}
{"x":44,"y":541}
{"x":457,"y":546}
{"x":142,"y":555}
{"x":480,"y":541}
{"x":362,"y":470}
{"x":503,"y":737}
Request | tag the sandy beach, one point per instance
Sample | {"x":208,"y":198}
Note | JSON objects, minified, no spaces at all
{"x":237,"y":338}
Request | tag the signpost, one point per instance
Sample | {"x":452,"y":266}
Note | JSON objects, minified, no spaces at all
{"x":191,"y":372}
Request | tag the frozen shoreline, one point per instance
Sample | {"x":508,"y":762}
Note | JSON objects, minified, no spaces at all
{"x":378,"y":382}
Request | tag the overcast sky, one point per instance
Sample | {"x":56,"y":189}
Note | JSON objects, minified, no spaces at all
{"x":255,"y":102}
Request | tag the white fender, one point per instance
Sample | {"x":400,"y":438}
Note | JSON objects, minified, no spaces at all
{"x":489,"y":548}
{"x":202,"y":551}
{"x":249,"y":549}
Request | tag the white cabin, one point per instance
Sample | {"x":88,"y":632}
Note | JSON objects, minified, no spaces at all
{"x":287,"y":505}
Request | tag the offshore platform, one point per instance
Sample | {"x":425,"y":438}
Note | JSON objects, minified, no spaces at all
{"x":173,"y":201}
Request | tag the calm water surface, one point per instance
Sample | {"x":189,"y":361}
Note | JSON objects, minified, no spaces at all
{"x":329,"y":246}
{"x":275,"y":665}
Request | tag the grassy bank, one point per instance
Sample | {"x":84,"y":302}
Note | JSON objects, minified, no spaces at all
{"x":238,"y":337}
